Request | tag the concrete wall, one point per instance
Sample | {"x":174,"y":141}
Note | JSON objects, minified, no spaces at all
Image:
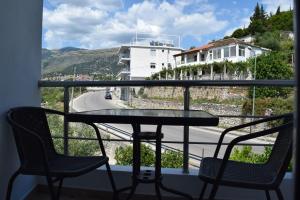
{"x":20,"y":57}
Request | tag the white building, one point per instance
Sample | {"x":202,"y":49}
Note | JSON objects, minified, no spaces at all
{"x":248,"y":38}
{"x":141,"y":60}
{"x":231,"y":49}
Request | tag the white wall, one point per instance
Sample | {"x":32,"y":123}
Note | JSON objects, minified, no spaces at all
{"x":20,"y":55}
{"x":140,"y":59}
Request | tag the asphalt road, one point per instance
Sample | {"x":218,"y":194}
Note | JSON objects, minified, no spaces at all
{"x":95,"y":100}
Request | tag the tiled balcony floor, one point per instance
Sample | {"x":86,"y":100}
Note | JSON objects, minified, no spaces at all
{"x":41,"y":193}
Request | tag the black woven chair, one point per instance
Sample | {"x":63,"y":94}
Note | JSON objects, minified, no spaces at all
{"x":266,"y":177}
{"x":38,"y":156}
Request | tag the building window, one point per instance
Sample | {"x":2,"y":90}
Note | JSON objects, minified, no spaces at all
{"x":195,"y":58}
{"x":232,"y":51}
{"x":202,"y":57}
{"x":163,"y":50}
{"x":162,"y":64}
{"x":217,"y":53}
{"x":210,"y":55}
{"x":242,"y":51}
{"x":226,"y":52}
{"x":169,"y":66}
{"x":153,"y":52}
{"x":152,"y":65}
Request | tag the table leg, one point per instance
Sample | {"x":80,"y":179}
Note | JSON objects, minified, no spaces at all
{"x":158,"y":176}
{"x":135,"y":162}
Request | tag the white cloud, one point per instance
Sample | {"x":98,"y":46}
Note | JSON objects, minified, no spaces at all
{"x":272,"y":5}
{"x":92,"y":26}
{"x":100,"y":4}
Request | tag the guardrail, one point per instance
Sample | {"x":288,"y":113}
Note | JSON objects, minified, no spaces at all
{"x":186,"y":84}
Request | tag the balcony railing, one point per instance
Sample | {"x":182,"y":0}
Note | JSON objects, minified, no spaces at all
{"x":186,"y":84}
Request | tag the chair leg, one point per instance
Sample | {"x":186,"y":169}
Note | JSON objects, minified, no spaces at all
{"x":279,"y":194}
{"x":112,"y":182}
{"x":157,"y":190}
{"x":203,"y":191}
{"x":59,"y":188}
{"x":268,"y":194}
{"x":51,"y":188}
{"x":10,"y":184}
{"x":213,"y":192}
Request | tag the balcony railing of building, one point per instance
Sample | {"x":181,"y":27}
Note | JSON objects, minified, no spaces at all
{"x":186,"y":84}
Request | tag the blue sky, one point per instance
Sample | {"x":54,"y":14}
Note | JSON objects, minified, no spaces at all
{"x":95,"y":24}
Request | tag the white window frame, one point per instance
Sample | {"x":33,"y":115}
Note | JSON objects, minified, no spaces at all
{"x":153,"y":52}
{"x":242,"y":50}
{"x":230,"y":48}
{"x":217,"y":54}
{"x":228,"y":52}
{"x":210,"y":54}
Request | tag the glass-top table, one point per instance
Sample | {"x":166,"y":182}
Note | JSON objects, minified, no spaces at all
{"x":146,"y":116}
{"x":138,"y":117}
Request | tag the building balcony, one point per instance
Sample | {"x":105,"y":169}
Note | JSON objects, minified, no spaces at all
{"x":91,"y":186}
{"x":124,"y":58}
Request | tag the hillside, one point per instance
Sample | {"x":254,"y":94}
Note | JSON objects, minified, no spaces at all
{"x":262,"y":22}
{"x":103,"y":61}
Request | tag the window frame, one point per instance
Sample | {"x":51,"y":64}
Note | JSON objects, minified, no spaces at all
{"x":152,"y":64}
{"x":242,"y":50}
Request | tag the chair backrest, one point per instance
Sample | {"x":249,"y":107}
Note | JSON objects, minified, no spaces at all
{"x":281,"y":154}
{"x":30,"y":128}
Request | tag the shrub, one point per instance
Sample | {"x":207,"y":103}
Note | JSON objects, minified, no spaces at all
{"x":123,"y":155}
{"x":169,"y":159}
{"x":277,"y":105}
{"x":248,"y":156}
{"x":172,"y":159}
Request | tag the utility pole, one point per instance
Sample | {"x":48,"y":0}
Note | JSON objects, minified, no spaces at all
{"x":253,"y":94}
{"x":72,"y":93}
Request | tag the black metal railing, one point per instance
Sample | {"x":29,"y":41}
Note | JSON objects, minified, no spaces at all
{"x":186,"y":84}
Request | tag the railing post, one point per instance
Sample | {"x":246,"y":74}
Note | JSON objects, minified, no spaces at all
{"x":66,"y":123}
{"x":186,"y":132}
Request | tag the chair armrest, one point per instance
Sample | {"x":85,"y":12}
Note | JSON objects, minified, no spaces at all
{"x":100,"y":141}
{"x":284,"y":116}
{"x":50,"y":111}
{"x":244,"y":138}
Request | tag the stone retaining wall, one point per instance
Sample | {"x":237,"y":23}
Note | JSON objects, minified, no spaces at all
{"x":219,"y":93}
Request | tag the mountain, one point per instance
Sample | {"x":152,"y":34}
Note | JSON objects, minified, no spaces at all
{"x":102,"y":61}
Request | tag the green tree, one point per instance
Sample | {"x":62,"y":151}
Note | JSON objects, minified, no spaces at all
{"x":273,"y":65}
{"x":278,"y":10}
{"x":270,"y":40}
{"x":282,"y":21}
{"x":257,"y":20}
{"x":238,"y":33}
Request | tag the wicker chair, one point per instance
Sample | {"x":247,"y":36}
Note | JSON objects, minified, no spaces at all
{"x":266,"y":177}
{"x":38,"y":156}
